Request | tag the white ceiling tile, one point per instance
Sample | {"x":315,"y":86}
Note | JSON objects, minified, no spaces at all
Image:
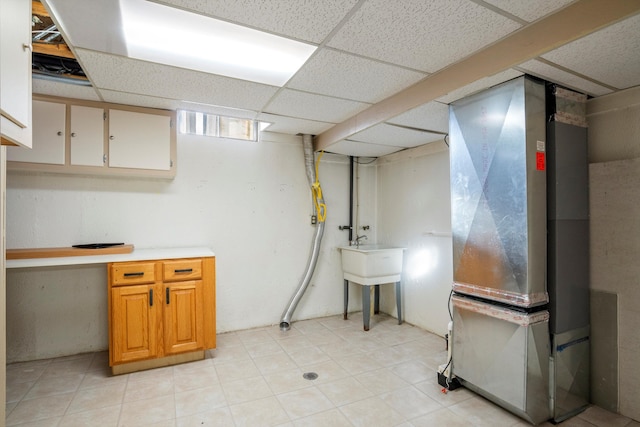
{"x":611,"y":55}
{"x":146,"y":78}
{"x":426,"y":35}
{"x":527,"y":9}
{"x":290,"y":125}
{"x":431,"y":116}
{"x":67,"y":90}
{"x":309,"y":106}
{"x":308,"y":20}
{"x":362,"y":149}
{"x":426,"y":138}
{"x":376,"y":50}
{"x":479,"y":85}
{"x":385,"y":134}
{"x":342,"y":75}
{"x":561,"y":77}
{"x":172,"y":104}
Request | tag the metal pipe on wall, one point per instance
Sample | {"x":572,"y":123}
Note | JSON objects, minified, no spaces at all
{"x":351,"y":162}
{"x":285,"y":321}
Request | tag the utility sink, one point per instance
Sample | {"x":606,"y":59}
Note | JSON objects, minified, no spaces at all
{"x":372,"y":264}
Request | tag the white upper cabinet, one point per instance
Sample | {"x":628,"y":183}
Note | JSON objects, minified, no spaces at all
{"x":15,"y":72}
{"x":139,"y":140}
{"x":87,"y":136}
{"x":96,"y":138}
{"x":49,"y":120}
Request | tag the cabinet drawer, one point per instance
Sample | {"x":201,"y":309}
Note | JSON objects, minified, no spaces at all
{"x":185,"y":269}
{"x":133,"y":273}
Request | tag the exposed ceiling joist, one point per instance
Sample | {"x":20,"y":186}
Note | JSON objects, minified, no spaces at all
{"x":38,"y":8}
{"x":61,"y":50}
{"x":39,"y":43}
{"x":576,"y":20}
{"x":52,"y":57}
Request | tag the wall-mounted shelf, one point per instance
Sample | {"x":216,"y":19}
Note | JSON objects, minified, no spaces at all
{"x":27,"y":253}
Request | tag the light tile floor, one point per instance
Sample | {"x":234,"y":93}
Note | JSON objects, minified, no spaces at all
{"x":384,"y":377}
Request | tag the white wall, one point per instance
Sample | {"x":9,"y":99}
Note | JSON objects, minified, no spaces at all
{"x":249,"y":202}
{"x":3,"y":299}
{"x":614,"y":127}
{"x":414,"y":211}
{"x":614,"y":146}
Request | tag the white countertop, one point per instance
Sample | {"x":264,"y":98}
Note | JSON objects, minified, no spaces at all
{"x":136,"y":255}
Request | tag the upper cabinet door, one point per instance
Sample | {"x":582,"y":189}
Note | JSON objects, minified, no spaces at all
{"x":15,"y":71}
{"x":87,"y":136}
{"x":139,"y":140}
{"x":49,"y":119}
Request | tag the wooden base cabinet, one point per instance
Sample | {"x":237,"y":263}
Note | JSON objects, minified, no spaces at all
{"x":161,"y":312}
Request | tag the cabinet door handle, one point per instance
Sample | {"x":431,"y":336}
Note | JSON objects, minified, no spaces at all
{"x":73,"y":134}
{"x":136,"y":274}
{"x":150,"y":297}
{"x":183,"y":270}
{"x":168,"y":295}
{"x":112,"y":137}
{"x":59,"y":133}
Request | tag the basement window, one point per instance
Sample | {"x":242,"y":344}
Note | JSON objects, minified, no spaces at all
{"x":197,"y":123}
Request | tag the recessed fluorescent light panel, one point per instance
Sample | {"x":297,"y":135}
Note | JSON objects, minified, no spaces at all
{"x":166,"y":35}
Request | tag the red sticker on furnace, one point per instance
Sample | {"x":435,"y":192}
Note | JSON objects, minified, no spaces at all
{"x":540,"y":161}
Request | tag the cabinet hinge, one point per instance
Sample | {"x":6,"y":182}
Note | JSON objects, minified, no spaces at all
{"x":104,"y":116}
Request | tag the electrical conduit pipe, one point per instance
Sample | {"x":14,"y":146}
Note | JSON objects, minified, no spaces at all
{"x":319,"y":210}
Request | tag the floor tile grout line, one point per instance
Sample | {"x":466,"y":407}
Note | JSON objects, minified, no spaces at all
{"x":389,"y":342}
{"x":122,"y":402}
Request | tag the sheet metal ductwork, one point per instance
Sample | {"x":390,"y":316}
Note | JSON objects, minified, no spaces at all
{"x":520,"y":223}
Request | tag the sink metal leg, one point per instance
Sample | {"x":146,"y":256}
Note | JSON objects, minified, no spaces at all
{"x":399,"y":301}
{"x":366,"y":305}
{"x":346,"y":297}
{"x":376,"y":300}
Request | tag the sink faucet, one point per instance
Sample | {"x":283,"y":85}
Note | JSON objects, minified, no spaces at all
{"x":356,"y":242}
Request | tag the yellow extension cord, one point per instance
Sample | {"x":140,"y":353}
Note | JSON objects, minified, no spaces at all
{"x":316,"y":190}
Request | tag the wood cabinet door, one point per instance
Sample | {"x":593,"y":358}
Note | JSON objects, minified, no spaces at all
{"x":134,"y":323}
{"x":183,"y":317}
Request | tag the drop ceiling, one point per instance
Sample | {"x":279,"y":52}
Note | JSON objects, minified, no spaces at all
{"x":368,"y":51}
